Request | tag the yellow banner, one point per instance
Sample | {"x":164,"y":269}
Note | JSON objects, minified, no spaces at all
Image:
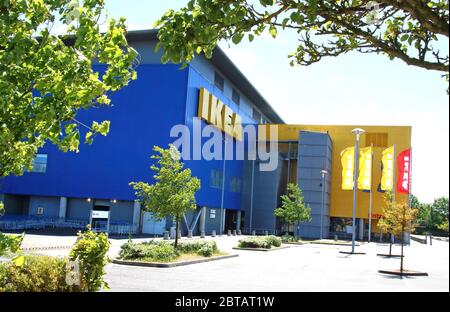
{"x":387,"y":175}
{"x":365,"y":169}
{"x":348,"y":166}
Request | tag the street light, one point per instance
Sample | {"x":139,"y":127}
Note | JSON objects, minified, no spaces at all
{"x":324,"y":174}
{"x":357,"y":132}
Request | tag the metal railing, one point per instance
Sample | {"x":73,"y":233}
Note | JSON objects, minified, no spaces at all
{"x":15,"y":223}
{"x":251,"y":231}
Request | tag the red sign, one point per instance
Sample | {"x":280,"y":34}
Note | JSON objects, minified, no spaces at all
{"x":376,"y":216}
{"x":404,"y":171}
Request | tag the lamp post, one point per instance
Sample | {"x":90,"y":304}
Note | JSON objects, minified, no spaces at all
{"x":324,"y":174}
{"x":357,"y":132}
{"x":223,"y":188}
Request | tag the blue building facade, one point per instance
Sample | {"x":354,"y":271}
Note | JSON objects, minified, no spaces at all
{"x":69,"y":187}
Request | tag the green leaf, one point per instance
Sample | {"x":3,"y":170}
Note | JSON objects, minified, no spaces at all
{"x":18,"y":261}
{"x":273,"y":31}
{"x":237,"y":38}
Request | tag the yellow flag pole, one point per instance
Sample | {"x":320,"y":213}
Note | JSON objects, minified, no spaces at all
{"x":394,"y":180}
{"x":370,"y":190}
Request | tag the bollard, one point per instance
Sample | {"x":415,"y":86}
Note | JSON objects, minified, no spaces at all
{"x":239,"y":232}
{"x":234,"y":232}
{"x":431,"y":239}
{"x":335,"y":238}
{"x":253,"y":233}
{"x":202,"y":235}
{"x":190,"y":234}
{"x":166,"y":235}
{"x":266,"y":233}
{"x":213,"y":233}
{"x":229,"y":233}
{"x":179,"y":234}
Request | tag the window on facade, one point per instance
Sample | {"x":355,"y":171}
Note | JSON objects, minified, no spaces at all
{"x":377,"y":139}
{"x":219,"y":81}
{"x":256,"y":116}
{"x":236,"y":97}
{"x":235,"y":185}
{"x":216,"y":179}
{"x":39,"y":164}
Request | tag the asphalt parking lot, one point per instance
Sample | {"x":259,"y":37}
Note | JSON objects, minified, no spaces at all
{"x":309,"y":267}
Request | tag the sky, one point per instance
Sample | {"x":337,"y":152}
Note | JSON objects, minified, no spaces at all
{"x":351,"y":89}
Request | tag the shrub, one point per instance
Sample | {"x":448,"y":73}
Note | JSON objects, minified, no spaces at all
{"x":265,"y":242}
{"x":202,"y":248}
{"x":37,"y":274}
{"x":49,"y":274}
{"x":274,"y":241}
{"x":290,"y":239}
{"x":164,"y":251}
{"x":90,"y":250}
{"x":132,"y":251}
{"x":151,"y":251}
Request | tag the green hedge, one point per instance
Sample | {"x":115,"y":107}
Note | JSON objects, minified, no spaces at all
{"x":202,"y":248}
{"x":37,"y":274}
{"x":34,"y":273}
{"x":265,"y":242}
{"x":162,"y":251}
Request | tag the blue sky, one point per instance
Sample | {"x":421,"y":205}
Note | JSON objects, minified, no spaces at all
{"x":350,"y":89}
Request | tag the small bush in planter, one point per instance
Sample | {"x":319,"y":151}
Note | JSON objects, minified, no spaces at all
{"x":265,"y":242}
{"x":161,"y":251}
{"x":202,"y":248}
{"x":290,"y":239}
{"x":274,"y":241}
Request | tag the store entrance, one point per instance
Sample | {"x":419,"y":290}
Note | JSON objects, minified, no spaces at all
{"x":230,"y":220}
{"x":100,"y":218}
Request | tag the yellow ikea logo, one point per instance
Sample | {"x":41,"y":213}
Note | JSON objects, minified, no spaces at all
{"x":218,"y":114}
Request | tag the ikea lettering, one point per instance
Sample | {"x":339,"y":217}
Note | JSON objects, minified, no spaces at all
{"x":215,"y":112}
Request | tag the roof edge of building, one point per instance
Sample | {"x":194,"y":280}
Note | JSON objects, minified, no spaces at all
{"x":226,"y":66}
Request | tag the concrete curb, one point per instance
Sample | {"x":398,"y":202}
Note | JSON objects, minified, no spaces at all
{"x":172,"y":264}
{"x":418,"y":239}
{"x":334,"y":244}
{"x":262,"y":249}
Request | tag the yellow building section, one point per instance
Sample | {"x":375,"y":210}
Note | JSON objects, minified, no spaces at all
{"x":342,"y":137}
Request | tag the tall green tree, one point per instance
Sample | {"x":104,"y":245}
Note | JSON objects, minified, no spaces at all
{"x":408,"y":30}
{"x":293,"y":207}
{"x":46,"y":79}
{"x":440,"y":206}
{"x":432,"y":216}
{"x":173,"y":193}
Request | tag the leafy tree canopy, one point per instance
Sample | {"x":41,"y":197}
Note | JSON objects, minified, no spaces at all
{"x":433,"y":216}
{"x":174,"y":191}
{"x":46,"y":79}
{"x":408,"y":30}
{"x":293,"y":208}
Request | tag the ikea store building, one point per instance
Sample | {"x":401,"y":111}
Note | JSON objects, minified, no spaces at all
{"x":71,"y":190}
